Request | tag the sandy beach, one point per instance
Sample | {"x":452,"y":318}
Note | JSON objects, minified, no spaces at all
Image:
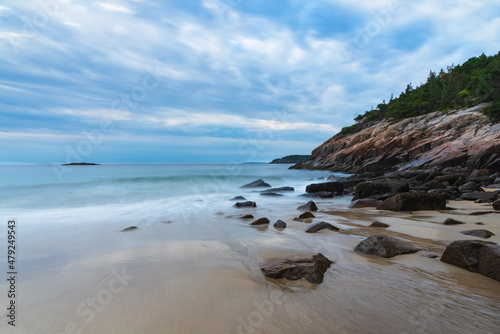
{"x":202,"y":276}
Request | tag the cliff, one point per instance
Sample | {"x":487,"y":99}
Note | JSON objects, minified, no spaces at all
{"x":464,"y":139}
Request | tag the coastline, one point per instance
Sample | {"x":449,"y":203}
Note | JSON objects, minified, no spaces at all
{"x":202,"y":275}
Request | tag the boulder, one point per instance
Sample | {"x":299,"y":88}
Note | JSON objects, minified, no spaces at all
{"x":451,"y":221}
{"x":496,"y":205}
{"x":296,"y":219}
{"x":238,"y":198}
{"x":247,"y":204}
{"x":474,"y":255}
{"x":279,"y":224}
{"x":480,"y":233}
{"x":247,"y":217}
{"x":385,"y":246}
{"x":310,"y":267}
{"x":260,"y":221}
{"x":414,"y":202}
{"x":380,"y":187}
{"x":130,"y":228}
{"x":306,"y":215}
{"x":336,"y":188}
{"x":257,"y":184}
{"x":376,"y":223}
{"x":470,"y":187}
{"x":472,"y":196}
{"x":270,"y":194}
{"x":321,"y":226}
{"x":364,"y":202}
{"x":309,"y":206}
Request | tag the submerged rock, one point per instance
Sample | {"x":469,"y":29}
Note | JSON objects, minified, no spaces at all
{"x":310,"y":267}
{"x":451,"y":221}
{"x":364,"y":203}
{"x":260,"y":221}
{"x":247,"y":204}
{"x":474,"y":255}
{"x":270,"y":194}
{"x":280,"y":189}
{"x":238,"y":198}
{"x":309,"y":206}
{"x":385,"y":246}
{"x":321,"y":226}
{"x":376,"y":223}
{"x":414,"y":202}
{"x":306,"y":215}
{"x":296,"y":219}
{"x":279,"y":224}
{"x":257,"y":184}
{"x":480,"y":233}
{"x":130,"y":228}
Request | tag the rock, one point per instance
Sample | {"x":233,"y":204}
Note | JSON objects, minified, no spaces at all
{"x":430,"y":255}
{"x":247,"y":217}
{"x":270,"y":194}
{"x":479,"y":173}
{"x":474,"y":255}
{"x":447,"y":193}
{"x":376,"y":223}
{"x":280,"y":189}
{"x":297,"y":219}
{"x":480,"y":233}
{"x":336,"y":188}
{"x":479,"y":223}
{"x":257,"y":184}
{"x":238,"y":198}
{"x":280,"y":224}
{"x":321,"y":226}
{"x":414,"y":202}
{"x":130,"y":228}
{"x":260,"y":221}
{"x":351,"y":183}
{"x":320,"y":194}
{"x":310,"y":267}
{"x":472,"y":196}
{"x":470,"y":187}
{"x":385,"y":246}
{"x":309,"y":206}
{"x":379,"y":187}
{"x":496,"y":205}
{"x":247,"y":204}
{"x":451,"y":221}
{"x":306,"y":215}
{"x":497,"y":180}
{"x":364,"y":202}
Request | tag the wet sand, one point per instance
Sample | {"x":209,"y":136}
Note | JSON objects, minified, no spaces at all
{"x":201,"y":276}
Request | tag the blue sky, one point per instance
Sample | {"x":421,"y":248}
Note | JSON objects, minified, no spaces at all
{"x":149,"y":81}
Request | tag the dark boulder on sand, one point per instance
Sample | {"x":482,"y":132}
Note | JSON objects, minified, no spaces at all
{"x":247,"y":217}
{"x":364,"y":203}
{"x":380,"y":187}
{"x":295,"y":267}
{"x":260,"y":221}
{"x":451,"y":221}
{"x":257,"y":184}
{"x":385,"y":246}
{"x":279,"y":224}
{"x":496,"y":205}
{"x":309,"y":206}
{"x":130,"y":228}
{"x":247,"y":204}
{"x":306,"y":215}
{"x":321,"y":226}
{"x":474,"y":255}
{"x":480,"y":233}
{"x":336,"y":188}
{"x":376,"y":223}
{"x":414,"y":202}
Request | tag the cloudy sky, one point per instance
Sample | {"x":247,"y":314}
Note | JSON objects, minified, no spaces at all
{"x":150,"y":81}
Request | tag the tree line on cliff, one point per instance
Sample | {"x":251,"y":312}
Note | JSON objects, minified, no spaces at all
{"x":475,"y":81}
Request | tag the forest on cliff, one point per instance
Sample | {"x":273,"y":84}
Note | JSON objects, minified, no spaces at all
{"x":475,"y":81}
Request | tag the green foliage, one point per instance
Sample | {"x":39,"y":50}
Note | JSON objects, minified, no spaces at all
{"x":475,"y":81}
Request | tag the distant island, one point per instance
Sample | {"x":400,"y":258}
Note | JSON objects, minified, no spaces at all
{"x":81,"y":164}
{"x":291,"y":159}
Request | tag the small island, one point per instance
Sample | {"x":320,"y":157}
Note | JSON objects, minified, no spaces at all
{"x":291,"y":159}
{"x":81,"y":164}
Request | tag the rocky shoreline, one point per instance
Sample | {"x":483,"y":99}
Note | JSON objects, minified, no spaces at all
{"x":401,"y":191}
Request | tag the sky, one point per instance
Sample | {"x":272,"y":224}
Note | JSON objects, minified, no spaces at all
{"x":214,"y":81}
